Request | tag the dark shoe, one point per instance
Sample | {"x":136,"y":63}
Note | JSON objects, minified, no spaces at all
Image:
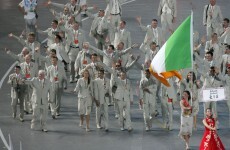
{"x":53,"y":116}
{"x":44,"y":130}
{"x":26,"y":112}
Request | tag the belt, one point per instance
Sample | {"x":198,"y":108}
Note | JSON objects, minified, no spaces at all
{"x":74,"y":46}
{"x":115,"y":14}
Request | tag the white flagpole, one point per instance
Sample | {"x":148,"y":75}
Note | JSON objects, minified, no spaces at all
{"x":4,"y":140}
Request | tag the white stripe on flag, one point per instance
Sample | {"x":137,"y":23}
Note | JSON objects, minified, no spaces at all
{"x":158,"y":63}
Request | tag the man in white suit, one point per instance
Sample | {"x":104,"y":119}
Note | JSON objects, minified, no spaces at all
{"x":148,"y":90}
{"x":41,"y":87}
{"x":30,"y":70}
{"x":60,"y":50}
{"x":211,"y":80}
{"x":73,"y":6}
{"x":122,"y":35}
{"x":168,"y":95}
{"x":224,"y":32}
{"x":212,"y":18}
{"x":57,"y":76}
{"x":153,"y":32}
{"x":167,"y":10}
{"x":99,"y":28}
{"x":17,"y":92}
{"x":83,"y":58}
{"x":19,"y":57}
{"x":51,"y":32}
{"x":101,"y":94}
{"x":74,"y":42}
{"x":124,"y":97}
{"x":31,"y":44}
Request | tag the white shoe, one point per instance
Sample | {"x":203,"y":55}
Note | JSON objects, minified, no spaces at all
{"x":122,"y":129}
{"x":44,"y":130}
{"x":98,"y":126}
{"x":146,"y":128}
{"x":87,"y":129}
{"x":116,"y":116}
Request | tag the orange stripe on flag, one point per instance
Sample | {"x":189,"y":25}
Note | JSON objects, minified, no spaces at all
{"x":164,"y":76}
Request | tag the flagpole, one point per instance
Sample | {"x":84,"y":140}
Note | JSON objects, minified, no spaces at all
{"x":191,"y":38}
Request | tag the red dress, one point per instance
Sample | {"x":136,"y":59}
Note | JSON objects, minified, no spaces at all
{"x":211,"y":140}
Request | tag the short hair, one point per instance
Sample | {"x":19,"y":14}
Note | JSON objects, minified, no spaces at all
{"x":226,"y":19}
{"x":31,"y":34}
{"x":53,"y":51}
{"x":101,"y":70}
{"x":152,"y":43}
{"x":122,"y":43}
{"x":111,"y":46}
{"x":123,"y":21}
{"x":18,"y":67}
{"x":212,"y":67}
{"x":214,"y":34}
{"x":41,"y":72}
{"x":147,"y":70}
{"x":55,"y":21}
{"x":208,"y":52}
{"x":94,"y":54}
{"x":155,"y":20}
{"x":101,"y":10}
{"x":54,"y":57}
{"x":76,"y":22}
{"x":228,"y":47}
{"x":59,"y":37}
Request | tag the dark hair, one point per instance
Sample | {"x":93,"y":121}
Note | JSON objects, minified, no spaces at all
{"x":228,"y":47}
{"x":193,"y":77}
{"x":18,"y":67}
{"x":189,"y":95}
{"x":54,"y":57}
{"x":210,"y":110}
{"x":59,"y":37}
{"x":94,"y":54}
{"x":123,"y":21}
{"x":53,"y":51}
{"x":147,"y":70}
{"x":155,"y":20}
{"x":152,"y":43}
{"x":55,"y":21}
{"x":212,"y":67}
{"x":101,"y":70}
{"x":111,"y":46}
{"x":226,"y":19}
{"x":208,"y":52}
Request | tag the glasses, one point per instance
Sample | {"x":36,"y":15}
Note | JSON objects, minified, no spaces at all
{"x":118,"y":66}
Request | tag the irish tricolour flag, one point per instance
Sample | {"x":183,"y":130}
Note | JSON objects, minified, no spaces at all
{"x":175,"y":54}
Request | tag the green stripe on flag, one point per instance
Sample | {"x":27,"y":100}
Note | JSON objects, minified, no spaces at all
{"x":178,"y":49}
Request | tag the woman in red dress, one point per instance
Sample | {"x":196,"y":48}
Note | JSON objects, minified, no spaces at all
{"x":210,"y":140}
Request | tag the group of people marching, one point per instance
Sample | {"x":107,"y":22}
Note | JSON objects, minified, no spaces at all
{"x":101,"y":71}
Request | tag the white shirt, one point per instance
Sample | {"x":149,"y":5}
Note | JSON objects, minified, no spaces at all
{"x":166,"y":9}
{"x":29,"y":6}
{"x":115,"y":7}
{"x":155,"y":33}
{"x":57,"y":47}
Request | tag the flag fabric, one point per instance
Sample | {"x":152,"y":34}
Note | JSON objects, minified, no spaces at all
{"x":175,"y":54}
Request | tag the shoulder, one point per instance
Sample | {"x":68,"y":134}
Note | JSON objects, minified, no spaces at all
{"x":11,"y":75}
